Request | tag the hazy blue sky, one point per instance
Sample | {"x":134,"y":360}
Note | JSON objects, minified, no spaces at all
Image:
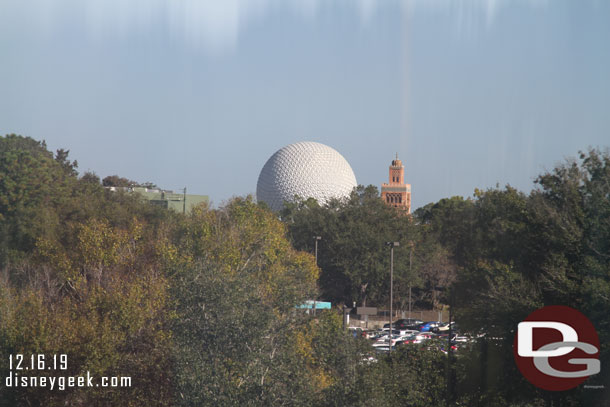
{"x":200,"y":93}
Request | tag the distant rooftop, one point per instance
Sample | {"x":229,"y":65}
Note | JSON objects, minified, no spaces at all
{"x":180,"y":202}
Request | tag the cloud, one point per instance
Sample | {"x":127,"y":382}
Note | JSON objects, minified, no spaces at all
{"x":367,"y":9}
{"x":216,"y":26}
{"x":468,"y":14}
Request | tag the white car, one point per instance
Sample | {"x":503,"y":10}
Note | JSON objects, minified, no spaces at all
{"x":383,"y":341}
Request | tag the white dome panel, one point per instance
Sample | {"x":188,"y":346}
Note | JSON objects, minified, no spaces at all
{"x":305,"y":169}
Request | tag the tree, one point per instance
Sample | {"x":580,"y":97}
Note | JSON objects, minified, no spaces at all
{"x":32,"y":183}
{"x":236,"y":308}
{"x":353,"y":258}
{"x":516,"y":253}
{"x":111,"y":321}
{"x":81,"y":275}
{"x":116,"y":181}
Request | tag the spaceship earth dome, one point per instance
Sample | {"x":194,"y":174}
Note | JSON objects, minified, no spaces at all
{"x":307,"y":170}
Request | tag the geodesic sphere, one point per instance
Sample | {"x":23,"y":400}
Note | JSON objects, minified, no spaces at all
{"x":307,"y":170}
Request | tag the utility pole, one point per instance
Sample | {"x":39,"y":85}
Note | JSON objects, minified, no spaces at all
{"x":184,"y":202}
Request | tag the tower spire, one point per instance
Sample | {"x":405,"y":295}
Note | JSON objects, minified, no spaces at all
{"x":396,"y":192}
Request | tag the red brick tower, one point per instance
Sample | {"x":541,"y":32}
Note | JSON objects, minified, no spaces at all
{"x":396,"y":193}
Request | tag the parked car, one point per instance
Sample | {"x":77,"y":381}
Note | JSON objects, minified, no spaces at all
{"x":404,"y":323}
{"x":407,"y":332}
{"x":377,"y":334}
{"x":407,"y":338}
{"x":428,"y":326}
{"x":420,"y":337}
{"x":385,"y":334}
{"x":369,"y":333}
{"x":383,"y":342}
{"x":445,"y":327}
{"x":445,"y":335}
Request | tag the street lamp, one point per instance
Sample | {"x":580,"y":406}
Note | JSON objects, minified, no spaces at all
{"x":184,"y":202}
{"x":411,"y":244}
{"x":449,"y":372}
{"x":392,"y":245}
{"x":449,"y":375}
{"x":316,"y":239}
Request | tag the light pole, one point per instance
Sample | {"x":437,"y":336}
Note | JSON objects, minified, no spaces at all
{"x":392,"y":246}
{"x":316,"y":239}
{"x":449,"y":374}
{"x":410,"y":275}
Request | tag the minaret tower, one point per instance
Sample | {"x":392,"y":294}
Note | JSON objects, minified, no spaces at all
{"x":396,"y":193}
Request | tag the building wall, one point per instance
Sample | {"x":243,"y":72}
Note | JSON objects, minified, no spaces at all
{"x":396,"y":193}
{"x":168,"y":199}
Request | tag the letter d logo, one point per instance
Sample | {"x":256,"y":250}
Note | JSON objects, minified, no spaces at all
{"x":556,"y":348}
{"x":526,"y":338}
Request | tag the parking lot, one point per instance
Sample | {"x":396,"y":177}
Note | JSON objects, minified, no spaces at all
{"x":413,"y":331}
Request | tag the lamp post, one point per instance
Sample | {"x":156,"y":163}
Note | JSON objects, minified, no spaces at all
{"x":316,"y":239}
{"x":411,"y":244}
{"x":449,"y":374}
{"x":392,"y":245}
{"x":449,"y":371}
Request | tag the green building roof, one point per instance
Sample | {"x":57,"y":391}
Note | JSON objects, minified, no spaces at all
{"x":178,"y":202}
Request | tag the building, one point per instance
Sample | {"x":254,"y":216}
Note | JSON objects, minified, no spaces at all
{"x":396,"y":193}
{"x":304,"y":170}
{"x":179,"y":202}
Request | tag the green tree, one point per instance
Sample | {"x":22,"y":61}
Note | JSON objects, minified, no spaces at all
{"x":81,"y":275}
{"x":352,"y":255}
{"x":31,"y":181}
{"x":116,"y":181}
{"x":515,"y":253}
{"x":236,"y":307}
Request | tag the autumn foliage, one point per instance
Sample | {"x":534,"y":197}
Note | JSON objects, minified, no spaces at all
{"x":203,"y":308}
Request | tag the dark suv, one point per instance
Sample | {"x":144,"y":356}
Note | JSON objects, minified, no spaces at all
{"x":404,"y":323}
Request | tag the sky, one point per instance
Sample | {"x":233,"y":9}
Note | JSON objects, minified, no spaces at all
{"x":200,"y":93}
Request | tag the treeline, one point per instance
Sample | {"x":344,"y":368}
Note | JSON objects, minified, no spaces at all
{"x":354,"y":257}
{"x":196,"y":310}
{"x":515,"y":253}
{"x":493,"y":258}
{"x":201,"y":309}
